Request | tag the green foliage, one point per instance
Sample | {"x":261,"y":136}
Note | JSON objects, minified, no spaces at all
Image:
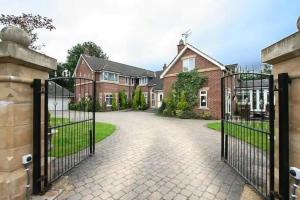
{"x":184,"y":94}
{"x":122,"y":100}
{"x":137,"y":98}
{"x":74,"y":53}
{"x":205,"y":115}
{"x":162,"y":108}
{"x":129,"y":103}
{"x":182,"y":103}
{"x":98,"y":106}
{"x":190,"y":83}
{"x":114,"y":105}
{"x":143,"y":102}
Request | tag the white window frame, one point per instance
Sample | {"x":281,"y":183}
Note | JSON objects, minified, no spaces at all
{"x":205,"y":96}
{"x":143,"y":80}
{"x":132,"y":81}
{"x":188,"y":64}
{"x":108,"y":96}
{"x":105,"y":77}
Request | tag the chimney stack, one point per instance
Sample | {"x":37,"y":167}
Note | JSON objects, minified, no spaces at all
{"x":164,"y":67}
{"x":180,"y":46}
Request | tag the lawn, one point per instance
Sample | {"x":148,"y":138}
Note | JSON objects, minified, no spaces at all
{"x":254,"y":133}
{"x":73,"y":137}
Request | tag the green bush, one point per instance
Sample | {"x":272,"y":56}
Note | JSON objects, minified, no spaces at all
{"x":162,"y":108}
{"x":122,"y":100}
{"x":114,"y":105}
{"x":137,"y":98}
{"x":143,"y":102}
{"x":72,"y":106}
{"x":98,"y":106}
{"x":184,"y":94}
{"x":206,"y":115}
{"x":129,"y":104}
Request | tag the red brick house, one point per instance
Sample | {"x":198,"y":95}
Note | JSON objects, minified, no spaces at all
{"x":112,"y":77}
{"x":188,"y":58}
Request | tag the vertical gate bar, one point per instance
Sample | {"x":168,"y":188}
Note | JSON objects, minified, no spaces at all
{"x":91,"y":142}
{"x":283,"y":81}
{"x":36,"y":176}
{"x":46,"y":139}
{"x":94,"y":115}
{"x":271,"y":134}
{"x":222,"y":118}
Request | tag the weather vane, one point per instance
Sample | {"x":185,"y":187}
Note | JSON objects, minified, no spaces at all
{"x":186,"y":34}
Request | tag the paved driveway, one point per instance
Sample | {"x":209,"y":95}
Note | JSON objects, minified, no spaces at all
{"x":152,"y":157}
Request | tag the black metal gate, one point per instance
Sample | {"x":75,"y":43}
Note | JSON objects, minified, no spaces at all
{"x":69,"y":127}
{"x":248,"y":128}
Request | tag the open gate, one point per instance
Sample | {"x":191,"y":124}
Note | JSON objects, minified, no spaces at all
{"x":248,"y":128}
{"x":69,"y":128}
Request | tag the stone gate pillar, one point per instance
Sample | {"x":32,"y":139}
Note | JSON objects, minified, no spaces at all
{"x":284,"y":55}
{"x":19,"y":65}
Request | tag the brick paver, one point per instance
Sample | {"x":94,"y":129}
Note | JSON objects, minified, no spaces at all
{"x":152,"y":157}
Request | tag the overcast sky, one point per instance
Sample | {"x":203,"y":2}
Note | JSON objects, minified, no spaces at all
{"x":145,"y":33}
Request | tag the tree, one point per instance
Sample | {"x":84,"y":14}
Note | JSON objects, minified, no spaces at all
{"x":137,"y":98}
{"x":266,"y":68}
{"x":29,"y":23}
{"x":87,"y":47}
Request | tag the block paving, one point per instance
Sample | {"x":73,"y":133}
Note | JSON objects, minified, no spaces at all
{"x":152,"y":157}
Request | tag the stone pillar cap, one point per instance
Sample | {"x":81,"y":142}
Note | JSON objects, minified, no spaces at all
{"x":15,"y":34}
{"x":298,"y":23}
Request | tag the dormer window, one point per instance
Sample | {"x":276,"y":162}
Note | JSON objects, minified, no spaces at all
{"x":110,"y":76}
{"x":144,"y":81}
{"x":188,"y":64}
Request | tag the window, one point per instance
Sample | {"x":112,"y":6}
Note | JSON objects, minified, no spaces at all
{"x":203,"y":99}
{"x":126,"y":81}
{"x":188,"y":64}
{"x":160,"y":97}
{"x":153,"y":99}
{"x":108,"y":99}
{"x":109,"y":76}
{"x":132,"y":81}
{"x":144,"y":81}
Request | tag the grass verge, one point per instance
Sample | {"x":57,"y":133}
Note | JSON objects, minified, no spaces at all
{"x":74,"y":137}
{"x":254,"y":133}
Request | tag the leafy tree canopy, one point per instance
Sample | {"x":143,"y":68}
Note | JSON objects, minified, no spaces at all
{"x":29,"y":23}
{"x":90,"y":48}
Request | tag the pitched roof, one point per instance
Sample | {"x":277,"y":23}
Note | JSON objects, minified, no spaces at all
{"x":188,"y":46}
{"x":56,"y":90}
{"x":156,"y":81}
{"x":99,"y":64}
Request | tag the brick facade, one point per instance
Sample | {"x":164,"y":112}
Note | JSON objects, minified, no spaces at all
{"x":213,"y":85}
{"x":103,"y":87}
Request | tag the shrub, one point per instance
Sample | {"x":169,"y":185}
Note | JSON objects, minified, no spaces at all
{"x":98,"y":106}
{"x":206,"y":115}
{"x":187,"y":114}
{"x":137,"y":98}
{"x":72,"y":106}
{"x":114,"y":103}
{"x":162,"y":108}
{"x":183,"y":97}
{"x":143,"y":105}
{"x":122,"y":100}
{"x":182,"y":103}
{"x":129,"y":104}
